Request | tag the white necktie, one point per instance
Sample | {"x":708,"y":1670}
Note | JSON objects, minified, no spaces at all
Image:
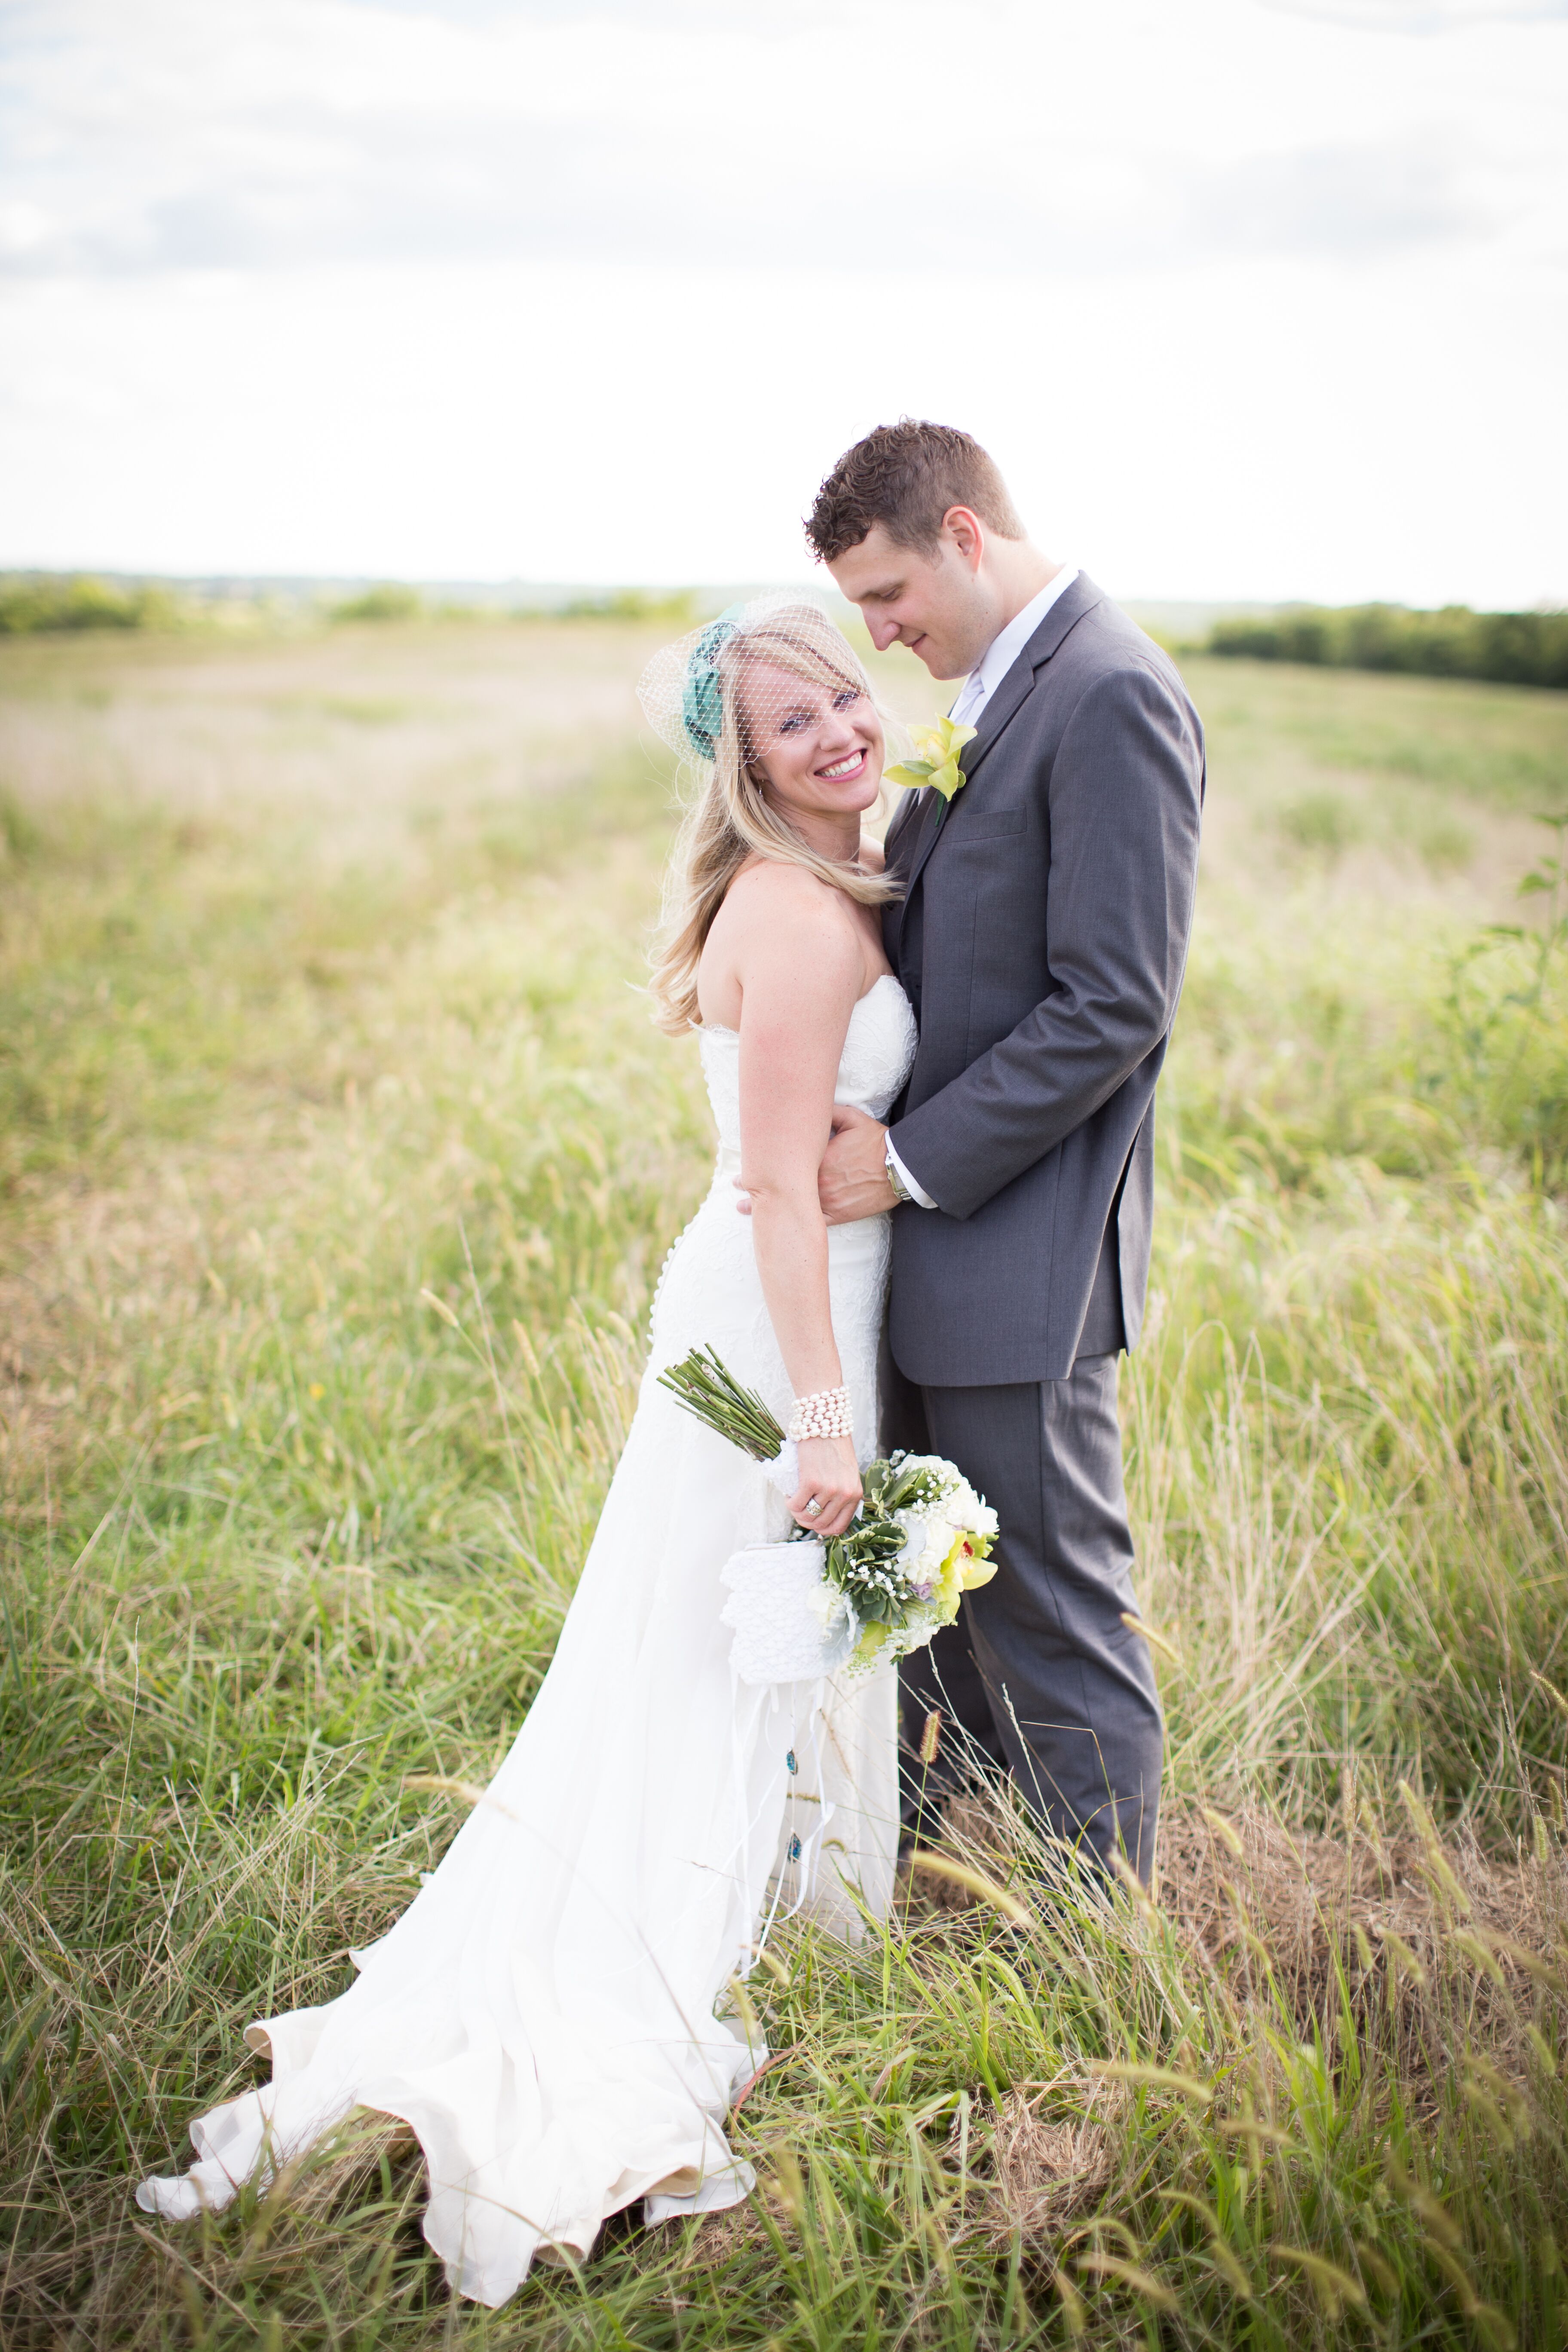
{"x":971,"y":699}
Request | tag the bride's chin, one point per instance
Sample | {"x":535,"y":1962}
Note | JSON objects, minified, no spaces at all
{"x":862,"y":793}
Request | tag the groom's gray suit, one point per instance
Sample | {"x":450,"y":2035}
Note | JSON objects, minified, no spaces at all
{"x":1041,"y":934}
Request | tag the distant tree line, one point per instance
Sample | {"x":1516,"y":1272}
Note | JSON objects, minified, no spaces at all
{"x":33,"y":603}
{"x":46,"y":602}
{"x":1516,"y":649}
{"x":676,"y":606}
{"x":390,"y":602}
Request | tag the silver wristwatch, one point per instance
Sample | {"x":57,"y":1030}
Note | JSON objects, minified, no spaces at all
{"x":895,"y":1173}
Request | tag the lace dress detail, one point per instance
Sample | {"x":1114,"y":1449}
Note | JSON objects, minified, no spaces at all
{"x":543,"y":2014}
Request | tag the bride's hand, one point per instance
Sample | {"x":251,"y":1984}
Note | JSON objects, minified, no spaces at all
{"x":831,"y":1477}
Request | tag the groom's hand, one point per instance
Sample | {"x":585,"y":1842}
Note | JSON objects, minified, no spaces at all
{"x":852,"y":1182}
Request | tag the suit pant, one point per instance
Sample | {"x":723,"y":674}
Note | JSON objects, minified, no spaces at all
{"x":1039,"y":1677}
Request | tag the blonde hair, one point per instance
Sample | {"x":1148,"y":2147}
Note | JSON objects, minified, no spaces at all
{"x":731,"y":820}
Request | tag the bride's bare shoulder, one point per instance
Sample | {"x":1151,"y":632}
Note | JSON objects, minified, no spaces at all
{"x":790,"y":892}
{"x":781,"y":909}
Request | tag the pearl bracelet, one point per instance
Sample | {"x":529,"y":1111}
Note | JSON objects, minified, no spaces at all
{"x":824,"y":1414}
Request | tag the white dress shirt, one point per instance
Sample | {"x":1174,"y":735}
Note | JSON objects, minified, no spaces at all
{"x":1004,"y":649}
{"x":973,"y":695}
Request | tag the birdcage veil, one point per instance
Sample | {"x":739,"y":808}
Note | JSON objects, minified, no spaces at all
{"x":745,"y":666}
{"x":721,"y":697}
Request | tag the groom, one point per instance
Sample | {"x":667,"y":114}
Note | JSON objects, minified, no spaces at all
{"x":1041,"y":934}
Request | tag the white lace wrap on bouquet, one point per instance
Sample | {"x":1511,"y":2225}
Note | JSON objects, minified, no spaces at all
{"x":790,"y":1625}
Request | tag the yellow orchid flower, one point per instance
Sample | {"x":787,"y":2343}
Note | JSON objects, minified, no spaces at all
{"x":970,"y":1563}
{"x":964,"y":1568}
{"x":937,"y":765}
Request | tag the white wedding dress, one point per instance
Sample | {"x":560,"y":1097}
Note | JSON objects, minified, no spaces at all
{"x":543,"y":2015}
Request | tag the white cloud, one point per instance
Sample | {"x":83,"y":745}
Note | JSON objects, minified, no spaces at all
{"x":1421,"y":18}
{"x":255,"y":134}
{"x":1254,"y":299}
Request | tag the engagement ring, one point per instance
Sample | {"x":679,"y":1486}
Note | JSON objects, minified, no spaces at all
{"x":813,"y":1507}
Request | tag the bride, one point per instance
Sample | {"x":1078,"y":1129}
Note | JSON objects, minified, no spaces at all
{"x":544,"y":2013}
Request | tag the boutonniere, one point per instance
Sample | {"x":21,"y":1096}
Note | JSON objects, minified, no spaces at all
{"x":937,"y":765}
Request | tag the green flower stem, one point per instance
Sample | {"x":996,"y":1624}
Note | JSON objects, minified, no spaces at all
{"x":708,"y":1389}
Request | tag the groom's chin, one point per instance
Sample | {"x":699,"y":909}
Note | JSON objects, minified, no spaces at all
{"x":923,"y":649}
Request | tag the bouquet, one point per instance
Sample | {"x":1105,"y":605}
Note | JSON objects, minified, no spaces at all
{"x":920,"y":1540}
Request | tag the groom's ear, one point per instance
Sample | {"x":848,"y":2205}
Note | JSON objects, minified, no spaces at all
{"x":963,"y":527}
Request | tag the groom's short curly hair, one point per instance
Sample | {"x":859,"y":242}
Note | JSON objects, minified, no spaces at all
{"x":906,"y":476}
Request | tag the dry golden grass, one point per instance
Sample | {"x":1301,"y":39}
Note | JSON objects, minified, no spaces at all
{"x":318,"y":971}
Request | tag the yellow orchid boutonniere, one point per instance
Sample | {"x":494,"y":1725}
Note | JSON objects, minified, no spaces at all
{"x":937,"y":765}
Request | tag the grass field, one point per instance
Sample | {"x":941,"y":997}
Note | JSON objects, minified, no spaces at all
{"x":337,"y":1156}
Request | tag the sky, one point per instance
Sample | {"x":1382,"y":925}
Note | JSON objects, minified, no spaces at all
{"x":1249,"y":299}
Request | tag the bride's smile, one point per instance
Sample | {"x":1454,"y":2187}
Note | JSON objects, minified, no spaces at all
{"x":817,"y":751}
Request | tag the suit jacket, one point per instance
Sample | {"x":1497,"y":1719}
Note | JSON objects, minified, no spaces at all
{"x":1041,"y":935}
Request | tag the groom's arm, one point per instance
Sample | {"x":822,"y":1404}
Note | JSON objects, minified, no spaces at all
{"x":1124,"y":804}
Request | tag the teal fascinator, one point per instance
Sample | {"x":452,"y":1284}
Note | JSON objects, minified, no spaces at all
{"x":683,"y":687}
{"x":702,"y":699}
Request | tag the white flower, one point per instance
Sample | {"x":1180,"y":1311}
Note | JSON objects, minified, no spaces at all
{"x":827,"y":1605}
{"x":968,"y":1513}
{"x":913,"y":1552}
{"x":936,"y":1464}
{"x":961,"y":1506}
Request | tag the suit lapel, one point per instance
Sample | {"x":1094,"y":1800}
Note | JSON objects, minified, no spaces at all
{"x":896,"y":840}
{"x":1003,"y":705}
{"x":1018,"y":685}
{"x":914,"y":844}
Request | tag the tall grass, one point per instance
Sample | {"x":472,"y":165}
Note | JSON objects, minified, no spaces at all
{"x":340,"y":1158}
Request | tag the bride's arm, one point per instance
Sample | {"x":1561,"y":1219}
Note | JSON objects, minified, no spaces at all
{"x":800,"y":966}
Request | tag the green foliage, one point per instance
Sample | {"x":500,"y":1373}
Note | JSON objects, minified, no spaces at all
{"x":678,"y":608}
{"x":1407,"y":752}
{"x":1518,"y":648}
{"x":1415,"y":1050}
{"x":387,"y":602}
{"x":41,"y":603}
{"x":1321,"y":820}
{"x":340,"y":1158}
{"x":20,"y":835}
{"x":390,"y":601}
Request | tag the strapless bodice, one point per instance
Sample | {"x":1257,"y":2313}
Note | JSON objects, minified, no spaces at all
{"x":879,"y":1050}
